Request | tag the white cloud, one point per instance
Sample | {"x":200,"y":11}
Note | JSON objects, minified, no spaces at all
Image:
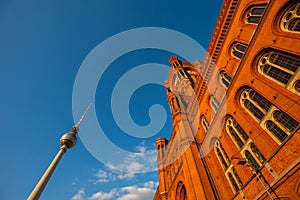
{"x":142,"y":161}
{"x":103,"y":196}
{"x":145,"y":192}
{"x":151,"y":184}
{"x":103,"y":176}
{"x":79,"y":196}
{"x":135,"y":193}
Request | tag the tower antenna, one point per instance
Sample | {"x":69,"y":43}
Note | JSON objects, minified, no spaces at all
{"x":67,"y":141}
{"x":84,"y":114}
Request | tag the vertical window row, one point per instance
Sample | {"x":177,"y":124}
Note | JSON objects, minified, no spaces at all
{"x":290,"y":21}
{"x":278,"y":123}
{"x":229,"y":170}
{"x":242,"y":141}
{"x":280,"y":68}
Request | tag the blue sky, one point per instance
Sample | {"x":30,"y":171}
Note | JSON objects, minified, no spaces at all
{"x":42,"y":46}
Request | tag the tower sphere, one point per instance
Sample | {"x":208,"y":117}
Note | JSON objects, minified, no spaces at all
{"x":68,"y":139}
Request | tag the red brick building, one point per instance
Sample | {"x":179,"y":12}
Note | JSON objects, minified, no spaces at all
{"x":236,"y":114}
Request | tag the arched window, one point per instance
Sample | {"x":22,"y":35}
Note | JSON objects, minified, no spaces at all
{"x":286,"y":121}
{"x":297,"y":86}
{"x":254,"y":14}
{"x":236,"y":177}
{"x":204,"y":122}
{"x":181,"y":192}
{"x":257,"y":153}
{"x":236,"y":132}
{"x":251,"y":161}
{"x":279,"y":67}
{"x":233,"y":179}
{"x":290,"y":22}
{"x":225,"y":79}
{"x":183,"y":195}
{"x":276,"y":131}
{"x":238,"y":50}
{"x":193,"y":75}
{"x":222,"y":155}
{"x":233,"y":182}
{"x":254,"y":103}
{"x":215,"y":104}
{"x":277,"y":123}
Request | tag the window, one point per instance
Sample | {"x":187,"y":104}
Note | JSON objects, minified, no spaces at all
{"x":238,"y":50}
{"x":255,"y":104}
{"x":297,"y":86}
{"x":290,"y":21}
{"x":225,"y":79}
{"x":277,"y":123}
{"x":254,"y":14}
{"x":215,"y":104}
{"x":236,"y":132}
{"x":251,"y":161}
{"x":204,"y":122}
{"x":257,"y":153}
{"x":236,"y":177}
{"x":277,"y":132}
{"x":279,"y":67}
{"x":222,"y":156}
{"x":233,"y":182}
{"x":181,"y":192}
{"x":289,"y":123}
{"x":233,"y":179}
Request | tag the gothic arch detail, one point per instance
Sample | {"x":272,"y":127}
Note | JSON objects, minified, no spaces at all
{"x":282,"y":68}
{"x":254,"y":13}
{"x":290,"y":21}
{"x":238,"y":50}
{"x":225,"y":79}
{"x":181,"y":193}
{"x":277,"y":123}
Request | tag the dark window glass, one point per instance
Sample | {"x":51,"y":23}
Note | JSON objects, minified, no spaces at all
{"x":291,"y":19}
{"x":285,"y":120}
{"x":257,"y":153}
{"x":253,"y":109}
{"x":222,"y":158}
{"x":233,"y":182}
{"x":260,"y":100}
{"x":237,"y":139}
{"x":277,"y":132}
{"x":297,"y":86}
{"x":285,"y":61}
{"x":251,"y":161}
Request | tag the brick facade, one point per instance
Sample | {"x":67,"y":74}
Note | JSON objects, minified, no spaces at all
{"x":236,"y":114}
